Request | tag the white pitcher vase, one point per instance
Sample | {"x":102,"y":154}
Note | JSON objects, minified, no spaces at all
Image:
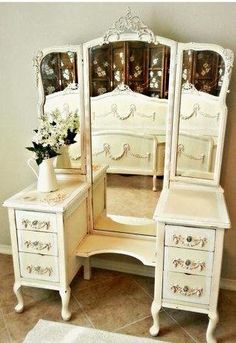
{"x":63,"y":160}
{"x":46,"y":176}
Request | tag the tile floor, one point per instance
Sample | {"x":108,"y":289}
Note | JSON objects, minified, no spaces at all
{"x":110,"y":301}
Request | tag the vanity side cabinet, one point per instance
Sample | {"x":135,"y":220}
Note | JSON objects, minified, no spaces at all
{"x":188,"y":269}
{"x":44,"y":246}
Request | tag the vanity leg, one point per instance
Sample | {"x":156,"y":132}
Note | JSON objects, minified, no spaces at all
{"x":213,"y":320}
{"x":17,"y":290}
{"x":155,"y":309}
{"x":87,"y":268}
{"x":65,"y":299}
{"x":154,"y":183}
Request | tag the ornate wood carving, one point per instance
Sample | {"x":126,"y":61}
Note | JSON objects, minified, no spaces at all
{"x":129,"y":23}
{"x":190,"y":241}
{"x":187,"y":291}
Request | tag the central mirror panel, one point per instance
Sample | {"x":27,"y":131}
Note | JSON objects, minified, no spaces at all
{"x":199,"y":114}
{"x":129,"y":107}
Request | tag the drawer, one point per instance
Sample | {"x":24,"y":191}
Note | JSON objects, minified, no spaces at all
{"x":188,"y":237}
{"x":184,"y":287}
{"x":40,"y":267}
{"x":37,"y":242}
{"x":188,"y":261}
{"x":36,"y":221}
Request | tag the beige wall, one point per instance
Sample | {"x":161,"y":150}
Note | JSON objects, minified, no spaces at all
{"x":26,"y":28}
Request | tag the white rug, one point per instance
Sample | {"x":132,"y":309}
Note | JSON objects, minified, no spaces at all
{"x":52,"y":332}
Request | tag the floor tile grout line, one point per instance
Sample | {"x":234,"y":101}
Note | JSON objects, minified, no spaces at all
{"x":134,"y":322}
{"x":143,"y":289}
{"x":84,"y":312}
{"x":99,"y":282}
{"x":6,"y":327}
{"x":169,"y":315}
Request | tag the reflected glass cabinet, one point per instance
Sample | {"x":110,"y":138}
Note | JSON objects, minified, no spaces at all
{"x":58,"y":71}
{"x":143,"y":67}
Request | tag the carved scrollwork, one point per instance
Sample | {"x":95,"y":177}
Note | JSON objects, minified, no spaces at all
{"x":188,"y":264}
{"x":229,"y":60}
{"x":39,"y":270}
{"x":197,"y":111}
{"x":37,"y":245}
{"x":126,"y":151}
{"x":53,"y":200}
{"x":35,"y":224}
{"x":181,"y":151}
{"x":189,"y":241}
{"x":129,"y":23}
{"x":187,"y":291}
{"x":131,"y":113}
{"x":36,"y":63}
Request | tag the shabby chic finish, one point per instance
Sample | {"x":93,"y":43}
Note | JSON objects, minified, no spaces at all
{"x":54,"y":234}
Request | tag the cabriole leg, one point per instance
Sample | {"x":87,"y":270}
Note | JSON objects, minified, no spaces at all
{"x":65,"y":299}
{"x":154,"y":183}
{"x":17,"y":290}
{"x":87,"y":268}
{"x":155,"y":309}
{"x":213,"y":320}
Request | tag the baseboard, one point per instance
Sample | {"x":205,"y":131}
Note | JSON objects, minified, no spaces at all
{"x":119,"y":266}
{"x":5,"y":249}
{"x":127,"y":267}
{"x":228,"y":284}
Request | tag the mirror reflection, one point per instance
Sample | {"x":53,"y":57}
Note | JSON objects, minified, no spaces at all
{"x":202,"y":78}
{"x":129,"y":101}
{"x":62,"y":102}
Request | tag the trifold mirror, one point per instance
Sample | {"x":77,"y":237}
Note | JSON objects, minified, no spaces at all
{"x":130,"y":88}
{"x":200,"y":112}
{"x":60,"y":83}
{"x":131,"y":92}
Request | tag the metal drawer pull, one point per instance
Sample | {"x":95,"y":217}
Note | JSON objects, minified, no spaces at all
{"x":188,"y":264}
{"x":39,"y":270}
{"x":35,"y":224}
{"x":38,"y":245}
{"x":187,"y":291}
{"x":189,"y":241}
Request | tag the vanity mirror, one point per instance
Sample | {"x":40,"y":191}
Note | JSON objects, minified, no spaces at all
{"x":128,"y":86}
{"x":60,"y":83}
{"x":202,"y":78}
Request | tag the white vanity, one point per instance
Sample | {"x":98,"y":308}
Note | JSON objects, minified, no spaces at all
{"x":140,"y":97}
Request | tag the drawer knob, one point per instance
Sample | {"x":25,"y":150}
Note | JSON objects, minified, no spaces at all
{"x":39,"y":270}
{"x":187,"y":262}
{"x":186,"y":290}
{"x":189,"y":239}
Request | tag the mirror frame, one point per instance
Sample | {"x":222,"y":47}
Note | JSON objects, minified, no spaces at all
{"x":42,"y":98}
{"x":149,"y":37}
{"x":227,"y":56}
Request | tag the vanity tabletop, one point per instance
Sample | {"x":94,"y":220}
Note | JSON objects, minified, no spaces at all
{"x":193,"y":206}
{"x":70,"y":189}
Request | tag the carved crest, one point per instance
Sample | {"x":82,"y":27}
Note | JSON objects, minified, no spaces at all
{"x":129,"y":23}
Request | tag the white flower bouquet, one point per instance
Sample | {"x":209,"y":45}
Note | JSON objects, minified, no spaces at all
{"x":54,"y":131}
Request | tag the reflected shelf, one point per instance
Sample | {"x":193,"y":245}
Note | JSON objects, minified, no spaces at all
{"x":126,"y":224}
